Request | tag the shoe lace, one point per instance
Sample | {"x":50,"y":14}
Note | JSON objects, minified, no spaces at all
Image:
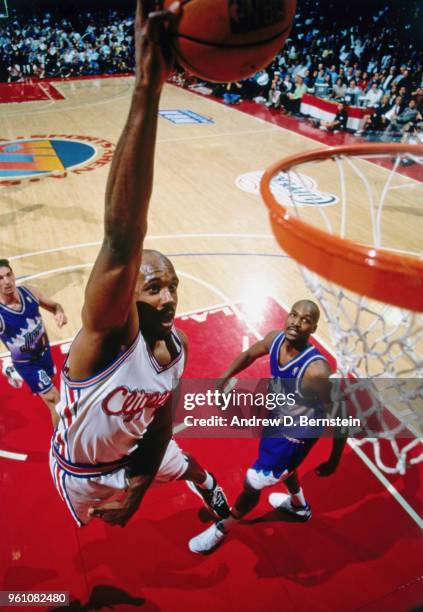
{"x":218,"y":498}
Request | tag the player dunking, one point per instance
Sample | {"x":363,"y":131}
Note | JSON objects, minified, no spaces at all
{"x":117,"y":382}
{"x":156,"y":297}
{"x":22,"y":331}
{"x":298,"y":368}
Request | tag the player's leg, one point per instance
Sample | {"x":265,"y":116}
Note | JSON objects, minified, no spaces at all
{"x":38,"y":375}
{"x":204,"y":484}
{"x":178,"y":465}
{"x":294,"y":501}
{"x":49,"y":394}
{"x":51,"y":398}
{"x":265,"y":472}
{"x":246,"y":501}
{"x":85,"y":496}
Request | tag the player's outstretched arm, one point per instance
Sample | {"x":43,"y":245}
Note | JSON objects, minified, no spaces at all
{"x":246,"y":358}
{"x":48,"y":304}
{"x":317,"y":379}
{"x":109,"y":317}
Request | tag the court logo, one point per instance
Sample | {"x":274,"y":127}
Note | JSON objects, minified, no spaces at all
{"x":184,"y":116}
{"x":289,"y":188}
{"x":51,"y":155}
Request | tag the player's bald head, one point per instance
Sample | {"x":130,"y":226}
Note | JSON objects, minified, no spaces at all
{"x":153,"y":261}
{"x":310,"y":306}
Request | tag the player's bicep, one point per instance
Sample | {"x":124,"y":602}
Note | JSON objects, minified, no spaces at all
{"x":317,"y":380}
{"x":43,"y":300}
{"x":109,"y":293}
{"x":262,"y":347}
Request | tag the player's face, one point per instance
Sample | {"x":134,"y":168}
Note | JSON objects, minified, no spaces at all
{"x":7,"y":281}
{"x":300,"y":323}
{"x":157,"y":299}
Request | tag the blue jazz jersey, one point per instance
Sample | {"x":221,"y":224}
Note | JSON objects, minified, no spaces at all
{"x":287,"y":379}
{"x":283,"y":448}
{"x":23,"y":331}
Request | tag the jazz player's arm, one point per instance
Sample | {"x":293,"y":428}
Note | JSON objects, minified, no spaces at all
{"x":246,"y":358}
{"x":109,"y":315}
{"x":48,"y":304}
{"x":316,"y":379}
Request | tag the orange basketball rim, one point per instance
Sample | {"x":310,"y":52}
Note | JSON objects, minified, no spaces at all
{"x":386,"y":276}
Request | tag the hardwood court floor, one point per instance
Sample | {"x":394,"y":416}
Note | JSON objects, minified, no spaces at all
{"x":220,"y":240}
{"x":219,"y":235}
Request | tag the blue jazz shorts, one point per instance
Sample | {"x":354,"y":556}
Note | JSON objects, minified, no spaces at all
{"x":38,"y":373}
{"x":281,"y":456}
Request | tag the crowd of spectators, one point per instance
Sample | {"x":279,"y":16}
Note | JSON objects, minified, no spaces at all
{"x":89,"y":43}
{"x":373,"y":63}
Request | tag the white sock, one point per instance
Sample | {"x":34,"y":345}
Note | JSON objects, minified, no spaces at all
{"x":298,"y":499}
{"x":208,"y":483}
{"x":226,"y":524}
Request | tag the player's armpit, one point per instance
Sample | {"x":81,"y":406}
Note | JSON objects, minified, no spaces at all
{"x":184,"y":339}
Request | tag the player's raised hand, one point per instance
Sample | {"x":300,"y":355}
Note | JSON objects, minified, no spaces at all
{"x":153,"y":54}
{"x":60,"y":318}
{"x":327,"y":468}
{"x":8,"y":369}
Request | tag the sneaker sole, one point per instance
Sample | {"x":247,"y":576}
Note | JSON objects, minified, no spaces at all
{"x":298,"y":517}
{"x":206,"y":552}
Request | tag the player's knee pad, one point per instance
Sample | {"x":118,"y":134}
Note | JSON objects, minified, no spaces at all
{"x":258,"y":480}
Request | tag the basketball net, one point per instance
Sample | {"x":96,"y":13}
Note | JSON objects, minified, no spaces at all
{"x":359,"y":251}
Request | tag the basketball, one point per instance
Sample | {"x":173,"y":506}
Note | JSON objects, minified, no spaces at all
{"x":229,"y":40}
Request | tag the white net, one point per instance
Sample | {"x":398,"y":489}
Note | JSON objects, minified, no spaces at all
{"x":379,"y":347}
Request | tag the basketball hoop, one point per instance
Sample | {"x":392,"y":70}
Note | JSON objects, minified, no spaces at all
{"x":362,"y":258}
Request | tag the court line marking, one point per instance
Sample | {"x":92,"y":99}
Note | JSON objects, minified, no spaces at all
{"x":211,"y":287}
{"x":218,"y":135}
{"x":406,"y":185}
{"x":157,"y":237}
{"x":390,"y":487}
{"x":55,"y":109}
{"x":45,"y":90}
{"x":177,"y":236}
{"x":14,"y":456}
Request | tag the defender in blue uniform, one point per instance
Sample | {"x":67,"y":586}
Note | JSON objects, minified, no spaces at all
{"x":299,"y":369}
{"x":22,"y":331}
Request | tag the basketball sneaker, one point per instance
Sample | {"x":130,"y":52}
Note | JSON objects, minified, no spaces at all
{"x":207,"y":540}
{"x":282,"y":502}
{"x":214,"y":499}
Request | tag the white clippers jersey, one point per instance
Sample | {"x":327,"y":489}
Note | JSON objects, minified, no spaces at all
{"x":102,"y":417}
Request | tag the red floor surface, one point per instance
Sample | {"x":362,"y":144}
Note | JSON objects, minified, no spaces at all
{"x":361,"y":551}
{"x":28,"y":92}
